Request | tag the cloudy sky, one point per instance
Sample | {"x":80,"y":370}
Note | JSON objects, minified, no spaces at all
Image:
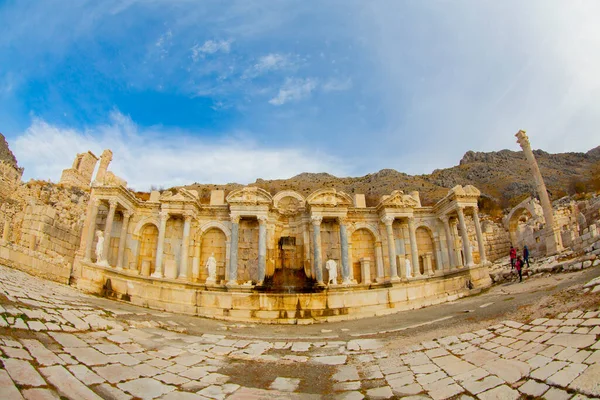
{"x":230,"y":91}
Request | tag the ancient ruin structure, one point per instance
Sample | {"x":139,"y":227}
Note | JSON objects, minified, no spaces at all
{"x":551,"y":230}
{"x":268,"y":252}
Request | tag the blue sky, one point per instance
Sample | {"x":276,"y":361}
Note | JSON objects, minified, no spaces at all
{"x":230,"y":91}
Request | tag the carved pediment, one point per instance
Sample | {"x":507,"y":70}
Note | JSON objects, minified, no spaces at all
{"x":288,"y":202}
{"x":398,"y":200}
{"x":250,"y":196}
{"x":181,"y":195}
{"x":329,"y":198}
{"x":464,"y":191}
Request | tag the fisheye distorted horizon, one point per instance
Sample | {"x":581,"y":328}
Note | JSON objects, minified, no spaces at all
{"x":218,"y":92}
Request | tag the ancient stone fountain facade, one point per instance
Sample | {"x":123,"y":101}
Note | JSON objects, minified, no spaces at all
{"x":396,"y":255}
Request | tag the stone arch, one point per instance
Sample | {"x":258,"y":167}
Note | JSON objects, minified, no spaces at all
{"x":425,"y":247}
{"x":214,"y":242}
{"x":363,"y":241}
{"x":528,"y":208}
{"x":148,"y":243}
{"x":329,"y":198}
{"x":215,"y":225}
{"x":144,"y":221}
{"x":363,"y":225}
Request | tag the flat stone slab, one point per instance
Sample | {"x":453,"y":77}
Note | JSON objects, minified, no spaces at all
{"x":67,"y":385}
{"x":503,"y":392}
{"x":330,"y":360}
{"x":588,"y":382}
{"x":572,"y":340}
{"x":8,"y":390}
{"x":22,"y":372}
{"x":284,"y":384}
{"x":145,"y":388}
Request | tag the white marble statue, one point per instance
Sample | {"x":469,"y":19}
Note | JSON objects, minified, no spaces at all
{"x":331,"y":266}
{"x":100,"y":247}
{"x":408,"y":268}
{"x":211,"y":266}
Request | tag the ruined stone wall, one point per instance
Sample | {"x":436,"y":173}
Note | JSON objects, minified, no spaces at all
{"x":10,"y":178}
{"x":497,"y":239}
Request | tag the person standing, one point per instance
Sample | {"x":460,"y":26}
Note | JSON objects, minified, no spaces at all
{"x":519,"y":267}
{"x":526,"y":256}
{"x":513,"y":257}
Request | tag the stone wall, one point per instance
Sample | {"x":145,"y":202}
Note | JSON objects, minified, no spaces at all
{"x":54,"y":268}
{"x":10,"y":178}
{"x":497,"y":239}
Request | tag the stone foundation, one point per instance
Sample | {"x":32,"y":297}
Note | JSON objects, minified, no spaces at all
{"x":35,"y":263}
{"x":246,"y":304}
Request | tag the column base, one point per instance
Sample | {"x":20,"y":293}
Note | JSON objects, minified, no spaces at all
{"x":232,"y":284}
{"x":157,"y":274}
{"x":395,"y":279}
{"x":182,"y":278}
{"x":380,"y":279}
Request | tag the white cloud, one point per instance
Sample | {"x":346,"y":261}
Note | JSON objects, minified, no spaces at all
{"x":210,"y":47}
{"x":145,"y":158}
{"x":337,"y":85}
{"x":294,"y":90}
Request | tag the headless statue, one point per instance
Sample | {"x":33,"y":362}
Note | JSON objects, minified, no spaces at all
{"x":331,"y":266}
{"x":211,"y":266}
{"x":408,"y":268}
{"x":100,"y":247}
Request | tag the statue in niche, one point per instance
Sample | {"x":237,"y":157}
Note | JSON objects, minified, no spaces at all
{"x":211,"y":266}
{"x":408,"y":267}
{"x":331,"y":267}
{"x":100,"y":247}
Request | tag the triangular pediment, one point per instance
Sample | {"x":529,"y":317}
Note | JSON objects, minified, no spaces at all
{"x":249,"y":195}
{"x":329,"y":198}
{"x":397,"y":199}
{"x":181,"y":195}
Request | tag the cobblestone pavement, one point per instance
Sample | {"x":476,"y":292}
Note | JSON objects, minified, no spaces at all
{"x":55,"y":342}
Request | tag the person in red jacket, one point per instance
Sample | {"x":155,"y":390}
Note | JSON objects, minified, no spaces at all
{"x":513,"y":257}
{"x":519,"y":267}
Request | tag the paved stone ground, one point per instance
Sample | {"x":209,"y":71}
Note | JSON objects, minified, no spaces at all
{"x":56,"y":342}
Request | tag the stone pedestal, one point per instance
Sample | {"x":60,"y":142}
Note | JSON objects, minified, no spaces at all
{"x":365,"y":270}
{"x":145,"y":268}
{"x":171,"y":269}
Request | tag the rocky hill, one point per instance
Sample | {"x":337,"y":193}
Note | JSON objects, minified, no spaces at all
{"x":503,"y":177}
{"x":5,"y":153}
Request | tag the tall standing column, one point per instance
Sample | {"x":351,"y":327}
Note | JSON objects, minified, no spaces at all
{"x":185,"y":245}
{"x":449,"y":241}
{"x":388,"y":220}
{"x":553,"y":239}
{"x":91,"y":229}
{"x":344,"y":250}
{"x":480,"y":244}
{"x":465,"y":237}
{"x":108,"y":228}
{"x":316,"y":223}
{"x":233,"y":249}
{"x":105,"y":159}
{"x":262,"y":248}
{"x":379,"y":263}
{"x":123,"y":239}
{"x":158,"y":271}
{"x":414,"y":249}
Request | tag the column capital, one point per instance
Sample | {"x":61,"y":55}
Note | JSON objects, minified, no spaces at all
{"x":113,"y":203}
{"x":316,"y":220}
{"x":262,"y":219}
{"x":475,"y":210}
{"x":522,"y":139}
{"x":460,"y":209}
{"x":444,"y":218}
{"x":343,"y":220}
{"x":411,"y":222}
{"x":163,"y":215}
{"x":235,"y":219}
{"x":188,"y":215}
{"x":127,"y":214}
{"x":96,"y":202}
{"x":388,"y":220}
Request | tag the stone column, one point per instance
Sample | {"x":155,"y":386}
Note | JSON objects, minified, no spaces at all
{"x":449,"y":242}
{"x":105,"y":159}
{"x":91,"y":229}
{"x":480,"y":244}
{"x":185,"y":245}
{"x":428,"y":264}
{"x":344,"y":251}
{"x":379,"y":263}
{"x":6,"y":230}
{"x":553,"y":239}
{"x":158,"y":271}
{"x":465,"y":237}
{"x":388,"y":220}
{"x":414,"y":250}
{"x":123,"y":239}
{"x":196,"y":263}
{"x":108,"y":228}
{"x":316,"y":223}
{"x":262,"y":248}
{"x":233,"y":249}
{"x":310,"y":271}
